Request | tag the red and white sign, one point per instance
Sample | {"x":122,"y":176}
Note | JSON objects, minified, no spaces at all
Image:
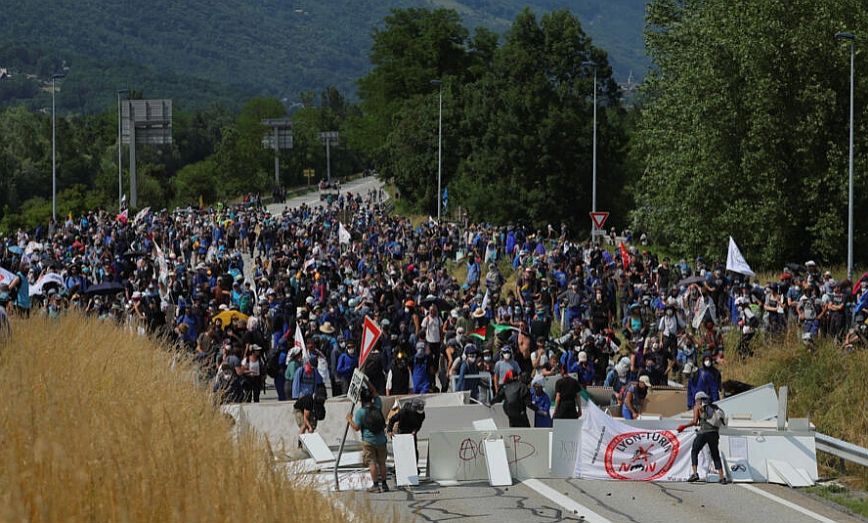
{"x":612,"y":450}
{"x":6,"y":277}
{"x":371,"y":332}
{"x":599,"y":218}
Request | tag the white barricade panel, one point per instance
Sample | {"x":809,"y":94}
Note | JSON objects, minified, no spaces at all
{"x":566,"y":436}
{"x":316,"y":447}
{"x":460,"y":456}
{"x":406,"y":472}
{"x":485,"y":424}
{"x":496,"y":463}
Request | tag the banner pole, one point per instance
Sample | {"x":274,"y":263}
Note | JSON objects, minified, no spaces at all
{"x":341,"y":448}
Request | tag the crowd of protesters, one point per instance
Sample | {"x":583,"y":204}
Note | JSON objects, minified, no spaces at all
{"x":253,"y":294}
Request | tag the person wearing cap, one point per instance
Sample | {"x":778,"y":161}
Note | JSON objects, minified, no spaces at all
{"x":408,"y":420}
{"x":585,"y":371}
{"x":468,"y":367}
{"x":538,"y":396}
{"x":636,"y":398}
{"x":504,"y":365}
{"x":516,"y":400}
{"x":708,"y":434}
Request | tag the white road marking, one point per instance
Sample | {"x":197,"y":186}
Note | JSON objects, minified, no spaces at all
{"x":572,"y":506}
{"x":786,"y":503}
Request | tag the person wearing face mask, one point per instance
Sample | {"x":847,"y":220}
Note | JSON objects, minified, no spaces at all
{"x":542,"y":418}
{"x":227,"y":385}
{"x":307,"y":379}
{"x":668,"y":329}
{"x":708,"y":434}
{"x":707,"y":380}
{"x":399,"y":381}
{"x":468,"y":367}
{"x":347,"y":363}
{"x":506,"y":364}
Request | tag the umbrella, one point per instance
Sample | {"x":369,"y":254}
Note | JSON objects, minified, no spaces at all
{"x":226,"y":317}
{"x":690,"y":281}
{"x":15,"y":249}
{"x":442,"y":305}
{"x":105,"y":288}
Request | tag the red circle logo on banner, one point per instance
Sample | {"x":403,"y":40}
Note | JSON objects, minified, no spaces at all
{"x":641,"y":456}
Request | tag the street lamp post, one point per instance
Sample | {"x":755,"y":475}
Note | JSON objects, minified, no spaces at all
{"x":120,"y":150}
{"x":851,"y":38}
{"x":593,"y":65}
{"x":439,"y":85}
{"x":54,"y":79}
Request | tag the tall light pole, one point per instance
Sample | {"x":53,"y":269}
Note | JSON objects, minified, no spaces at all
{"x":851,"y":38}
{"x":120,"y":149}
{"x":439,"y":85}
{"x":593,"y":65}
{"x":54,"y":78}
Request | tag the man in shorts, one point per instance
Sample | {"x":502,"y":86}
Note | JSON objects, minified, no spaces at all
{"x":370,"y":420}
{"x":305,"y":417}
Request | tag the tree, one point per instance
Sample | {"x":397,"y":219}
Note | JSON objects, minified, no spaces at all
{"x":744,"y":128}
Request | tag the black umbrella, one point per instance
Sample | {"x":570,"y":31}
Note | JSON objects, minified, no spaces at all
{"x":442,"y":305}
{"x":105,"y":288}
{"x":690,"y":281}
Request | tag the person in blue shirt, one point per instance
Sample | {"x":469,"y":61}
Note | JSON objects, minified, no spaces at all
{"x":347,"y":362}
{"x":421,"y":379}
{"x":472,"y":272}
{"x":542,"y":418}
{"x":707,"y":380}
{"x":585,"y":370}
{"x":306,"y":379}
{"x":569,"y":360}
{"x":468,"y":368}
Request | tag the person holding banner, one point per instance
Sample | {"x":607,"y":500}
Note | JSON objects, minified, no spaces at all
{"x":706,"y":416}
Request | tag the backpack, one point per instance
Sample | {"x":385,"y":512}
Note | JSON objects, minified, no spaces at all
{"x":374,"y":420}
{"x":319,"y":398}
{"x":717,"y":418}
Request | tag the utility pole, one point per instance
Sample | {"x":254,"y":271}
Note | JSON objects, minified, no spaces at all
{"x":851,"y":38}
{"x":439,"y":84}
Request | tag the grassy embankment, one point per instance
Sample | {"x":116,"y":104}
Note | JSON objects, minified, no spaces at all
{"x":97,"y":424}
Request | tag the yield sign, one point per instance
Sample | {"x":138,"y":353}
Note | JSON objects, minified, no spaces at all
{"x":599,"y":218}
{"x":370,"y":334}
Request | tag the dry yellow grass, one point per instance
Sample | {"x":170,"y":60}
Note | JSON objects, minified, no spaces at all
{"x":96,"y":425}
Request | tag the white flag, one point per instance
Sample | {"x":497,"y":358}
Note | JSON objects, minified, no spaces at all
{"x":485,"y":301}
{"x":735,"y":262}
{"x":343,"y":234}
{"x":299,"y":342}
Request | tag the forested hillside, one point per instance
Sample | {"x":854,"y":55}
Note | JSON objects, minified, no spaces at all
{"x":201,"y":51}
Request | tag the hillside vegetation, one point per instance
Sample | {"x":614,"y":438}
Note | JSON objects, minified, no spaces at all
{"x":97,"y":426}
{"x":267,"y":47}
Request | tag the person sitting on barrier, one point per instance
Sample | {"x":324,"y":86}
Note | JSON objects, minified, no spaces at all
{"x":709,"y":418}
{"x":399,"y":380}
{"x":516,"y":400}
{"x":543,"y":403}
{"x":636,"y":398}
{"x":408,"y":420}
{"x":468,"y":368}
{"x":567,"y":404}
{"x":370,"y":421}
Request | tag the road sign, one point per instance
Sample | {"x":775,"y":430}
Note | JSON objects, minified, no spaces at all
{"x":370,"y":334}
{"x":355,"y":389}
{"x":598,"y":218}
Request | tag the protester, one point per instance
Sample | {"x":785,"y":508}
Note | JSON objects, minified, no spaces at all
{"x":516,"y":400}
{"x":370,"y":421}
{"x":708,"y":434}
{"x":408,"y":420}
{"x":543,"y":403}
{"x":567,"y":398}
{"x":636,"y":398}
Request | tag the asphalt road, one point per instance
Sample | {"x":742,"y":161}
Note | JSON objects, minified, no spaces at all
{"x":634,"y":502}
{"x":583,"y":500}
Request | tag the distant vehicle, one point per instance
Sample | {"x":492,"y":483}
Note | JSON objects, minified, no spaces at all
{"x":329,"y":191}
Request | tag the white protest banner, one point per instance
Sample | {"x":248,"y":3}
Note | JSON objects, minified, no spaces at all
{"x":735,"y":262}
{"x":298,"y":341}
{"x":613,"y":450}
